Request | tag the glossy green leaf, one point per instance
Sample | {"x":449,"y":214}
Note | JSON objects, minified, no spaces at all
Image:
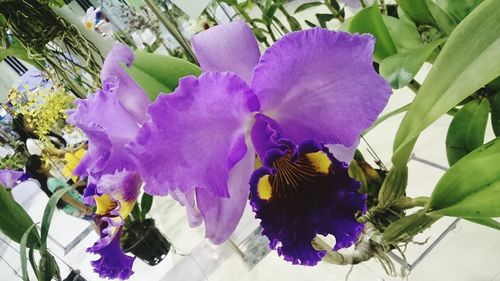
{"x":417,"y":11}
{"x":14,"y":221}
{"x":459,"y":8}
{"x":49,"y":212}
{"x":468,"y":61}
{"x":489,"y":222}
{"x":405,"y":228}
{"x":495,"y":114}
{"x":158,"y":73}
{"x":467,"y":129}
{"x":404,"y":34}
{"x":306,"y":6}
{"x":369,"y":20}
{"x":399,"y":69}
{"x":146,"y":204}
{"x":444,"y":21}
{"x":471,"y":187}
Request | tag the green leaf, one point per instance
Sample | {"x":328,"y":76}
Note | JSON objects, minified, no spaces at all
{"x":489,"y":222}
{"x":444,"y":21}
{"x":459,"y":8}
{"x":146,"y":203}
{"x":14,"y":221}
{"x":269,"y":12}
{"x":306,"y":6}
{"x":310,"y":24}
{"x":404,"y":34}
{"x":471,"y":187}
{"x":369,"y":20}
{"x":467,"y":129}
{"x":495,"y":114}
{"x":405,"y":228}
{"x":417,"y":11}
{"x":387,"y":116}
{"x":22,"y":252}
{"x":49,"y":212}
{"x":294,"y":24}
{"x":324,"y":18}
{"x":158,"y":73}
{"x":399,"y":69}
{"x":468,"y":61}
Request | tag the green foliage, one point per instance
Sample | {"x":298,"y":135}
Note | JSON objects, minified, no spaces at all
{"x":495,"y":113}
{"x":472,"y":50}
{"x":14,"y":221}
{"x":306,"y":6}
{"x":399,"y":69}
{"x":417,"y":11}
{"x":471,"y":187}
{"x":160,"y":74}
{"x":489,"y":222}
{"x":466,"y":131}
{"x":369,"y":20}
{"x":459,"y":9}
{"x":49,"y":212}
{"x":444,"y":21}
{"x":146,"y":204}
{"x":404,"y":33}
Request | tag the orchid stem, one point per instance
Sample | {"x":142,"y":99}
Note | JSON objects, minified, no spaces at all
{"x":334,"y":11}
{"x":382,"y":7}
{"x":363,"y":3}
{"x":363,"y":250}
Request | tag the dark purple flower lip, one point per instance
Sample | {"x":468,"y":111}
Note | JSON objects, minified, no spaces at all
{"x":303,"y":191}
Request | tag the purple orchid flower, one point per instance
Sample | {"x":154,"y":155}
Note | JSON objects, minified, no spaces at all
{"x":110,"y":119}
{"x":310,"y":89}
{"x":10,"y":178}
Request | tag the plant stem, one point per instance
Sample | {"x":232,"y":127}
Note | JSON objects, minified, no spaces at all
{"x":382,"y":7}
{"x":363,"y":3}
{"x":414,"y":86}
{"x":334,"y":11}
{"x":172,"y":28}
{"x":271,"y":33}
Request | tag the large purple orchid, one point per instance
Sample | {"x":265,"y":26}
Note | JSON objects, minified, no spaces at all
{"x":111,"y":118}
{"x":310,"y":89}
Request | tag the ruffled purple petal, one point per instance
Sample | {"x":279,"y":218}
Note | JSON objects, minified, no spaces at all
{"x":108,"y":126}
{"x":195,"y":135}
{"x":10,"y":178}
{"x":113,"y":264}
{"x":304,"y":193}
{"x":131,"y":95}
{"x":121,"y":186}
{"x":319,"y":84}
{"x":230,"y":47}
{"x":343,"y":153}
{"x":222,"y":215}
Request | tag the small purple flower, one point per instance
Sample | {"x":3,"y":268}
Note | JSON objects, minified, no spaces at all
{"x":310,"y":89}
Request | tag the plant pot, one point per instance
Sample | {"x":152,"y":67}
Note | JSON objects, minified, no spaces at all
{"x":145,"y":241}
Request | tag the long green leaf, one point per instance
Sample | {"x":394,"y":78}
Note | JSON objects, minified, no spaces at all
{"x":22,"y":253}
{"x":399,"y":69}
{"x":469,"y":60}
{"x":471,"y":187}
{"x":387,"y":116}
{"x":495,"y":114}
{"x":49,"y":212}
{"x":306,"y":6}
{"x":489,"y":222}
{"x":146,"y":204}
{"x":417,"y":10}
{"x":369,"y":20}
{"x":406,"y":227}
{"x":466,"y":131}
{"x":459,"y":8}
{"x":14,"y":221}
{"x":444,"y":21}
